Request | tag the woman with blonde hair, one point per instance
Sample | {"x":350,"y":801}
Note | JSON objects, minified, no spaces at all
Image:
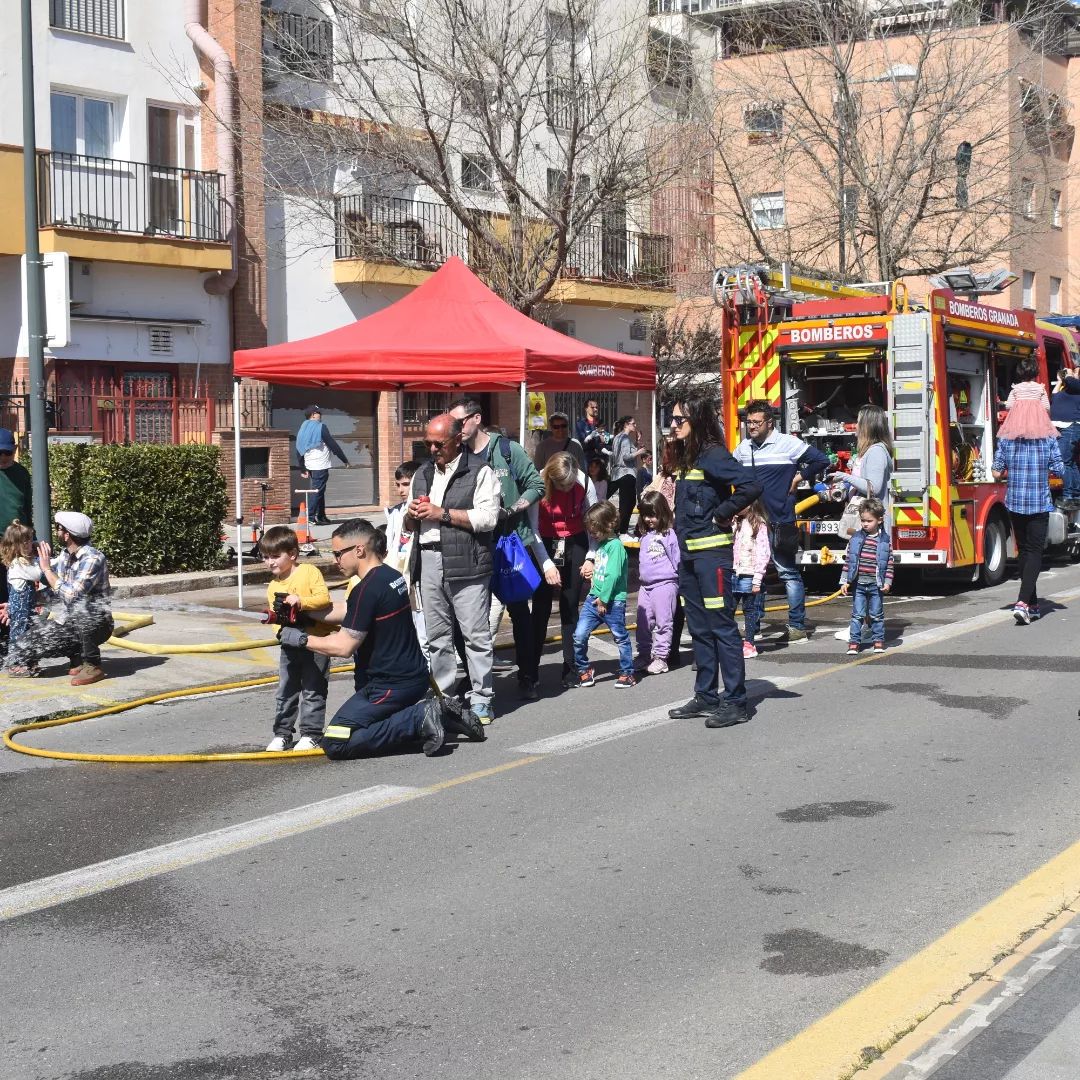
{"x":560,"y":524}
{"x":872,"y":467}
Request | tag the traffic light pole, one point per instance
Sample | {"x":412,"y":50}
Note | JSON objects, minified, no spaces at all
{"x":35,"y":291}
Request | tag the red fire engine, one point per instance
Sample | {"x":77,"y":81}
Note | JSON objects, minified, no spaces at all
{"x":818,"y":351}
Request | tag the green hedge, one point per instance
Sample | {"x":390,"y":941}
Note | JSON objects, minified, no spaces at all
{"x":156,"y":509}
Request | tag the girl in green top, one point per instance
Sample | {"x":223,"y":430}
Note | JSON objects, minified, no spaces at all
{"x":606,"y":602}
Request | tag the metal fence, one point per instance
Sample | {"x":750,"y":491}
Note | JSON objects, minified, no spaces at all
{"x":425,"y":234}
{"x":102,"y":17}
{"x":130,"y":407}
{"x":384,"y":229}
{"x":107,"y":195}
{"x":616,"y":255}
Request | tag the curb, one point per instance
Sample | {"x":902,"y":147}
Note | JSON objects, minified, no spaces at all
{"x":128,"y":588}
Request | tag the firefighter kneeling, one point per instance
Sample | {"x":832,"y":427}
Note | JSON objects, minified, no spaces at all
{"x":392,"y":706}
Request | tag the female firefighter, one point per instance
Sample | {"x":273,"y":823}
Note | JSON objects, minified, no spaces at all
{"x":711,"y":487}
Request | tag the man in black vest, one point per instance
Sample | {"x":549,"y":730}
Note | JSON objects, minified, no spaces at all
{"x":454,"y":507}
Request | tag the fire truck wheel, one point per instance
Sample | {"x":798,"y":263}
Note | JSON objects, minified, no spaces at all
{"x":995,"y":550}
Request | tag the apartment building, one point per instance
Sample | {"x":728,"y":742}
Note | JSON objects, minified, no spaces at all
{"x":354,"y":223}
{"x":142,"y":198}
{"x":936,"y":134}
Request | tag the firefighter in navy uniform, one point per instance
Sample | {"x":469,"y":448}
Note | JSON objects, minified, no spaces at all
{"x":711,"y":487}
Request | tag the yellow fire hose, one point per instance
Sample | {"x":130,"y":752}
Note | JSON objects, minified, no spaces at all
{"x":133,"y":622}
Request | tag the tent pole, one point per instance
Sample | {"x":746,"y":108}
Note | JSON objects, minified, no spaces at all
{"x":401,"y":423}
{"x":521,"y":412}
{"x":239,"y":497}
{"x":655,"y":459}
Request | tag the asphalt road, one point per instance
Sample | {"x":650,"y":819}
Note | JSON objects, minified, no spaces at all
{"x":594,"y":893}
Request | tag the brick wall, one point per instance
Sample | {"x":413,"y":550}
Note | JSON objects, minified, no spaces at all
{"x":277,"y":442}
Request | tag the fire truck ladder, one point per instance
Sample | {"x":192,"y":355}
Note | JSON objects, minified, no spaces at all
{"x":911,"y":401}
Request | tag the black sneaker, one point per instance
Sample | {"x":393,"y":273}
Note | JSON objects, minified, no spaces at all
{"x":431,"y":728}
{"x":696,"y":706}
{"x":727,"y":714}
{"x":528,"y":689}
{"x":459,"y":720}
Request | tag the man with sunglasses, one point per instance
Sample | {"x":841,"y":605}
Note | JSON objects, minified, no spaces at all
{"x":559,"y":442}
{"x":779,"y":461}
{"x":454,"y":509}
{"x":15,"y":491}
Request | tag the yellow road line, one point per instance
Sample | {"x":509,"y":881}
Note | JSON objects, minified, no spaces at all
{"x":831,"y":1047}
{"x":479,"y":775}
{"x":256,"y":656}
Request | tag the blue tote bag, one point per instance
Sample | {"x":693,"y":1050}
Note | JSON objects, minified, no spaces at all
{"x":514,"y":577}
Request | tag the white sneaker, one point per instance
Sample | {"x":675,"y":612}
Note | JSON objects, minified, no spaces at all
{"x":658,"y":667}
{"x":277,"y":744}
{"x":306,"y":742}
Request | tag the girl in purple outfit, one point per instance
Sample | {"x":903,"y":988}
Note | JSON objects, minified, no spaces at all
{"x":658,"y":577}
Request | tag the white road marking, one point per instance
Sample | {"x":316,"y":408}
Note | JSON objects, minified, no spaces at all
{"x":604,"y":645}
{"x":607,"y":730}
{"x":89,"y":880}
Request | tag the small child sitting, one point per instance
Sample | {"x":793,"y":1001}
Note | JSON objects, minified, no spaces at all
{"x":302,"y":674}
{"x":752,"y":553}
{"x":869,"y":567}
{"x":23,"y":576}
{"x":1028,"y":407}
{"x":606,"y":602}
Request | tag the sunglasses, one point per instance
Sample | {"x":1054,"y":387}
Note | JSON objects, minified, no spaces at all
{"x":678,"y":421}
{"x":558,"y":427}
{"x":337,"y":554}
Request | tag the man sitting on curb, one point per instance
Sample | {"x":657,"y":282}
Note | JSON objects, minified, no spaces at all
{"x":79,"y":576}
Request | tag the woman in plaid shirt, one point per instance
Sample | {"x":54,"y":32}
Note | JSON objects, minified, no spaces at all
{"x":1027,"y":465}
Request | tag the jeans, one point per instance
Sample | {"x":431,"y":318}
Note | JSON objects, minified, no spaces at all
{"x":752,"y":604}
{"x":866,"y":599}
{"x":615,"y":620}
{"x":1030,"y":532}
{"x":301,"y":694}
{"x":1067,"y":441}
{"x":317,"y":499}
{"x":785,"y":540}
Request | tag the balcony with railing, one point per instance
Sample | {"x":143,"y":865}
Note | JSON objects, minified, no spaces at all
{"x":418,"y":237}
{"x":106,"y":195}
{"x":298,"y":45}
{"x":102,"y":18}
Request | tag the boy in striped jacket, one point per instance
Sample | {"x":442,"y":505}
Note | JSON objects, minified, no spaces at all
{"x":869,"y":569}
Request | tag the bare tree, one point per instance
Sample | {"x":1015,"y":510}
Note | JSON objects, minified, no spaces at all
{"x":517,"y":126}
{"x":686,"y":347}
{"x":872,"y":142}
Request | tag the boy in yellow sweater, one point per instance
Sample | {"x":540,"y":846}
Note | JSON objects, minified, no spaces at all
{"x":302,"y":682}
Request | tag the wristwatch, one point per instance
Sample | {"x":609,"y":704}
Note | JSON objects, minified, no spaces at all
{"x":446,"y":516}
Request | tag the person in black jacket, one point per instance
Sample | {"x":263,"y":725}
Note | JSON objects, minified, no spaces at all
{"x":711,"y":488}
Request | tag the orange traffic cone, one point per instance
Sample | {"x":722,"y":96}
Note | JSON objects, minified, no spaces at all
{"x":303,"y":534}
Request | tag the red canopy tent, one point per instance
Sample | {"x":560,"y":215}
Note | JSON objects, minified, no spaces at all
{"x":450,"y":332}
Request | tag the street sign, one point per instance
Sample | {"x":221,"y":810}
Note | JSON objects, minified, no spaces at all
{"x":57,"y":301}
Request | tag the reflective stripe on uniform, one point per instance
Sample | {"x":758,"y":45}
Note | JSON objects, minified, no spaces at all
{"x":692,"y":474}
{"x":713,"y":602}
{"x":703,"y":542}
{"x":337,"y":731}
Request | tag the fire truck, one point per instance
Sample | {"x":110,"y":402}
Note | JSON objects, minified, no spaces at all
{"x":817,"y":351}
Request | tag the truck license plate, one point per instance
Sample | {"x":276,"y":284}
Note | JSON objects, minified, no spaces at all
{"x":829,"y":527}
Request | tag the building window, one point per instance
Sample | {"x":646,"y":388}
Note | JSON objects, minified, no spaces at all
{"x":105,"y":18}
{"x":81,"y":125}
{"x":763,"y":121}
{"x":1027,"y":286}
{"x":1055,"y":296}
{"x":1027,"y":198}
{"x":1055,"y":208}
{"x":767,"y":210}
{"x":476,"y":173}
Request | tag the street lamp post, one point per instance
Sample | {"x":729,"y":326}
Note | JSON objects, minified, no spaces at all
{"x":35,"y":290}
